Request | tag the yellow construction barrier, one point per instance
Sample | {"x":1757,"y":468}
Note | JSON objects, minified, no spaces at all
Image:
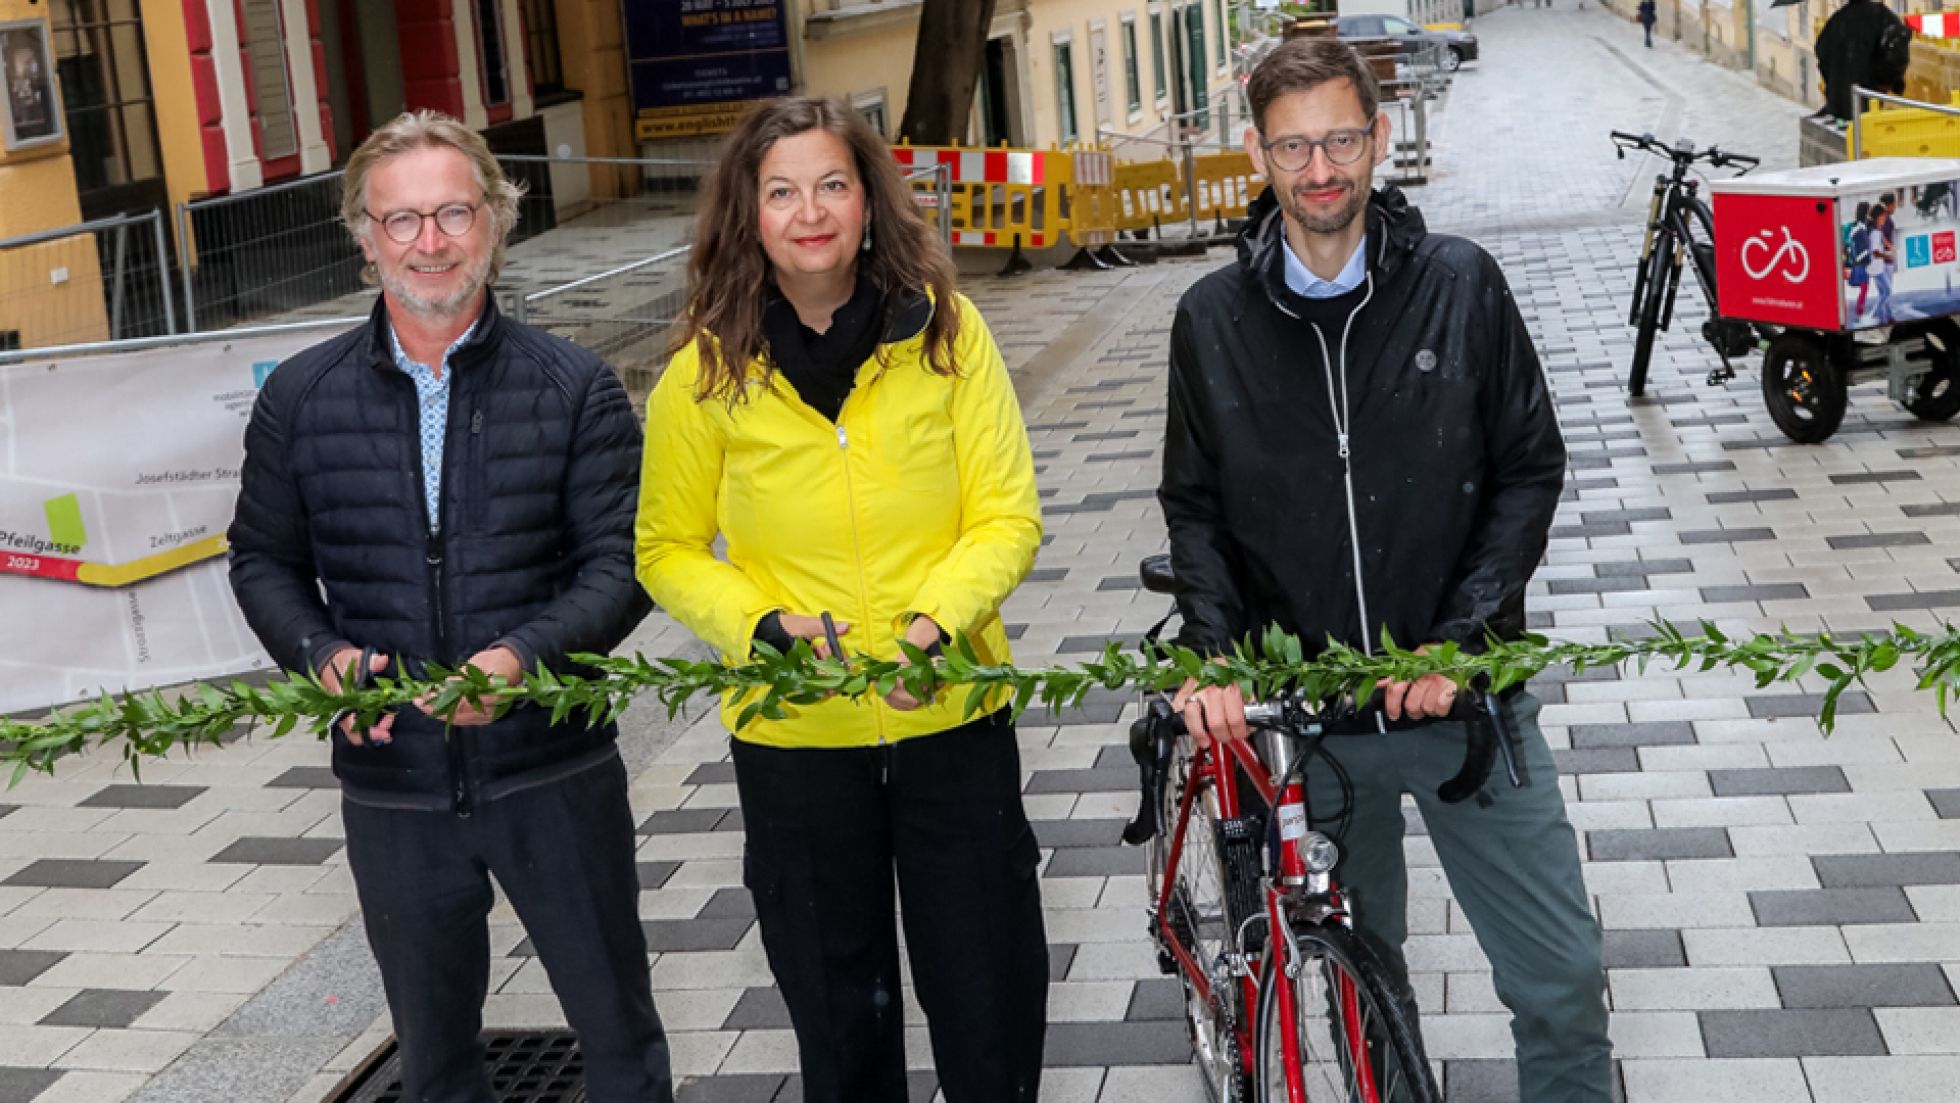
{"x":1225,"y":184}
{"x":1000,"y":197}
{"x":1092,"y":200}
{"x":1148,"y":194}
{"x":1907,"y":132}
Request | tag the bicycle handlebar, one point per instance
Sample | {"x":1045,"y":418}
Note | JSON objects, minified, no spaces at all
{"x":1682,"y":155}
{"x":1344,"y":718}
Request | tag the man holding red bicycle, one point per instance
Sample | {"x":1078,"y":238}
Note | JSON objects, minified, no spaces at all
{"x":1361,"y":440}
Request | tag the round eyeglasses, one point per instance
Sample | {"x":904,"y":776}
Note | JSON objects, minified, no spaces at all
{"x":403,"y":227}
{"x":1343,"y":147}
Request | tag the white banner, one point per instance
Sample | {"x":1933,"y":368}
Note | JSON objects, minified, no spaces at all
{"x":118,"y":476}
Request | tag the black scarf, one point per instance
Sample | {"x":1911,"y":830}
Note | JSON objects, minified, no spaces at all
{"x":823,"y":366}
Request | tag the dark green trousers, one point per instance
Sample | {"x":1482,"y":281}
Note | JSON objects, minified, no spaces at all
{"x":1513,"y":863}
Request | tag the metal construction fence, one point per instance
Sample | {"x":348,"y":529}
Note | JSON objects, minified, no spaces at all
{"x":104,"y":279}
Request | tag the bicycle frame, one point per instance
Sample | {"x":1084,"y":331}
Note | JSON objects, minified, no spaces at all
{"x":1217,"y":767}
{"x":1669,"y":224}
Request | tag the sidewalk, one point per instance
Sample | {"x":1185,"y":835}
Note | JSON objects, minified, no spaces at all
{"x":1782,"y":910}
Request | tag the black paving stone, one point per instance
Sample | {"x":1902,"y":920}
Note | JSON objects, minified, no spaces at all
{"x":1092,"y":1045}
{"x":142,"y":796}
{"x":1619,"y":584}
{"x":676,"y":936}
{"x":1877,"y":540}
{"x":1776,"y":591}
{"x":655,"y":874}
{"x":1100,"y":706}
{"x":305,"y":777}
{"x":1610,"y":760}
{"x":1047,"y":574}
{"x":1831,"y":907}
{"x":1096,"y":861}
{"x":1073,"y":834}
{"x":1728,"y":536}
{"x":1778,"y":782}
{"x":18,"y":967}
{"x":1911,"y":985}
{"x":1657,"y":733}
{"x":20,"y":1085}
{"x":1931,"y":509}
{"x":1158,"y":1000}
{"x":1923,"y":599}
{"x":1657,"y":844}
{"x":1858,"y":478}
{"x":1635,"y":949}
{"x":74,"y":873}
{"x":1946,"y":802}
{"x":1694,"y":467}
{"x":1806,"y":1032}
{"x":758,"y":1009}
{"x":1932,"y":867}
{"x":1738,"y":497}
{"x":712,"y":773}
{"x":1060,"y":957}
{"x":745,"y":1088}
{"x":111,"y":1008}
{"x":683,"y":821}
{"x":1093,"y":645}
{"x":1806,"y":705}
{"x":1644,"y":567}
{"x":1108,"y":780}
{"x":267,"y":851}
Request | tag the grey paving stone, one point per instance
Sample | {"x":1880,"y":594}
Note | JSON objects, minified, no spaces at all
{"x":1647,"y":845}
{"x":1100,"y":706}
{"x":1061,"y":955}
{"x":21,"y":1085}
{"x":1831,"y":907}
{"x":267,"y":851}
{"x":712,"y":773}
{"x":1768,"y":782}
{"x":1149,"y":1042}
{"x":1094,"y":645}
{"x":1096,"y":861}
{"x":1046,"y":574}
{"x":1930,"y":867}
{"x":1061,"y":834}
{"x":655,"y":874}
{"x":113,"y":1008}
{"x":1861,"y":477}
{"x":1644,"y":567}
{"x":1644,"y":949}
{"x":1805,"y":1032}
{"x":1924,"y":599}
{"x":305,"y":777}
{"x":667,"y":936}
{"x":1946,"y":802}
{"x":1877,"y":540}
{"x":1911,"y":985}
{"x":1612,"y":584}
{"x":7,"y":810}
{"x":1661,"y":733}
{"x":758,"y":1009}
{"x":1694,"y":467}
{"x":18,"y":967}
{"x":733,"y":902}
{"x":1161,"y":999}
{"x":1806,"y":705}
{"x":920,"y":1087}
{"x":683,"y":821}
{"x":1739,"y":497}
{"x":1119,"y":583}
{"x":72,"y":873}
{"x":1496,"y":1081}
{"x":1112,"y":779}
{"x":142,"y":796}
{"x":741,"y":1088}
{"x":1930,"y":509}
{"x":1778,"y":591}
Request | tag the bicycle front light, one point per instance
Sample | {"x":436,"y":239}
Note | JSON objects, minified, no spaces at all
{"x":1319,"y":853}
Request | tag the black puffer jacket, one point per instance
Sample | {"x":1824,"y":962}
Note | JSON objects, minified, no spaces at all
{"x":1455,"y":453}
{"x":535,"y":547}
{"x":1848,"y":53}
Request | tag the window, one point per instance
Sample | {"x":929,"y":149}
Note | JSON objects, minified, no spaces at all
{"x":1398,"y":25}
{"x":1132,"y":82}
{"x":1224,"y":32}
{"x":1157,"y":53}
{"x":265,"y":47}
{"x":490,"y":47}
{"x":541,"y":46}
{"x":871,"y":105}
{"x":99,"y":58}
{"x":1065,"y":89}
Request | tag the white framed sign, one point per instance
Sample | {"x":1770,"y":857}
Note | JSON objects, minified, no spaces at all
{"x":32,"y":114}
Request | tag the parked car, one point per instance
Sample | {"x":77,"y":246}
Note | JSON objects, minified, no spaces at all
{"x":1457,"y":46}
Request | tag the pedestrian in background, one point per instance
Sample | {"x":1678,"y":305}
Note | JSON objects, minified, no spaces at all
{"x":1647,"y":17}
{"x":839,"y":414}
{"x":442,"y":486}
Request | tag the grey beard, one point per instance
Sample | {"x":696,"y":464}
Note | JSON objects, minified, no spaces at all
{"x":475,"y":276}
{"x":1330,"y":224}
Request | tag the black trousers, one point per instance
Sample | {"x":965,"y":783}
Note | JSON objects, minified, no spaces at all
{"x":827,"y":830}
{"x":563,"y":853}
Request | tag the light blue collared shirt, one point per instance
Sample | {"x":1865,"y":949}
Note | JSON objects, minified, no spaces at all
{"x":1309,"y":286}
{"x":432,"y":399}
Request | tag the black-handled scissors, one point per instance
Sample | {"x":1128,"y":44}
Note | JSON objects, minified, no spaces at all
{"x":830,"y":636}
{"x":363,"y":678}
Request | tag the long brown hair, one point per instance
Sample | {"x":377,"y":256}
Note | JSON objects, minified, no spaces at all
{"x":728,"y":275}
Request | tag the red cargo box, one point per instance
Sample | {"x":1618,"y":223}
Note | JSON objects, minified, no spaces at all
{"x":1840,"y":247}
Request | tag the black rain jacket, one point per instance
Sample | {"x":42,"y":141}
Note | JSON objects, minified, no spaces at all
{"x":1440,"y":511}
{"x":331,"y":545}
{"x":1848,"y":54}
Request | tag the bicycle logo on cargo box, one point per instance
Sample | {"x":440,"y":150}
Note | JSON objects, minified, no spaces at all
{"x":1790,"y":259}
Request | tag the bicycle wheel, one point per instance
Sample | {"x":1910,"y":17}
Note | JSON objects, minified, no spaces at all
{"x":1654,"y":284}
{"x":1355,"y":1044}
{"x":1201,"y":922}
{"x":1936,"y":397}
{"x":1803,"y":389}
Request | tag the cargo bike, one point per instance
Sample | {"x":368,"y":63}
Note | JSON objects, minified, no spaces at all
{"x":1840,"y":274}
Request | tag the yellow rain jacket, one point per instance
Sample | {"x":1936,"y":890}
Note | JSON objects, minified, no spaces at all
{"x":920,"y":499}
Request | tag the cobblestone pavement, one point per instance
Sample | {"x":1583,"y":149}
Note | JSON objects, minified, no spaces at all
{"x":1782,"y":910}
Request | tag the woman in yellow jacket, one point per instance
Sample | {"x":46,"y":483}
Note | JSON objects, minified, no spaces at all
{"x":840,"y":415}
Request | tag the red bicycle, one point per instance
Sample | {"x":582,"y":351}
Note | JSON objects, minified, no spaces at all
{"x":1284,"y":1001}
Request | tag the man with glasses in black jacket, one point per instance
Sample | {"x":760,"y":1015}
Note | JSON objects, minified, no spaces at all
{"x":1360,"y":441}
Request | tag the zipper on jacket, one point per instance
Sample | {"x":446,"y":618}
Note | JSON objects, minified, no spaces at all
{"x":857,"y":546}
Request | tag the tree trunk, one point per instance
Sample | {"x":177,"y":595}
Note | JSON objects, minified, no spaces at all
{"x":946,"y":63}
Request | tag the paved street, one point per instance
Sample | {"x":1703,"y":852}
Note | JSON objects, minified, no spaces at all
{"x":1782,"y":909}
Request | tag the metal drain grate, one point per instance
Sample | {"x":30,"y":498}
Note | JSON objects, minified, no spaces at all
{"x":526,"y":1066}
